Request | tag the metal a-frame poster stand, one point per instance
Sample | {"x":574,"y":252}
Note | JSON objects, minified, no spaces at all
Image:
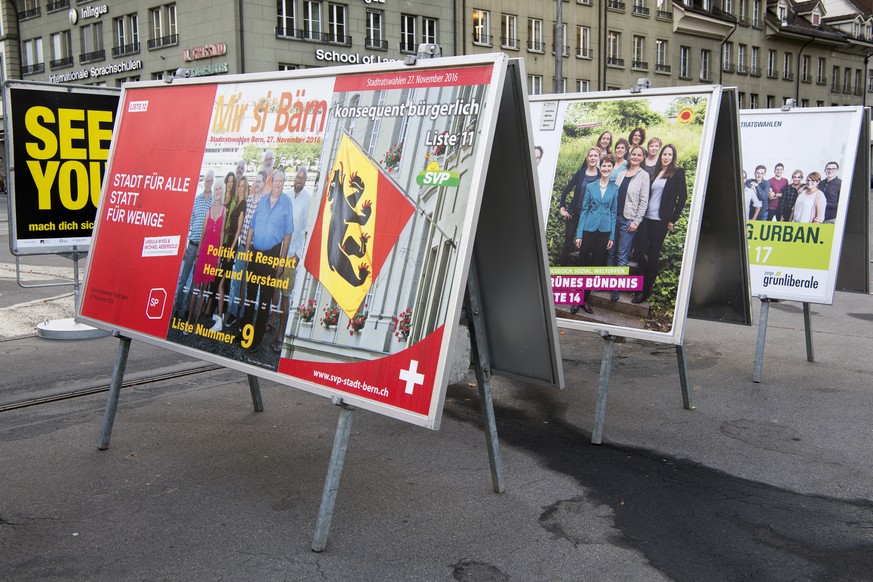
{"x":57,"y":143}
{"x":318,"y":228}
{"x":807,"y":208}
{"x":622,"y":265}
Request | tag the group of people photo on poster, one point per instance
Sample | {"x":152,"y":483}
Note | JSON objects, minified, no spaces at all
{"x":617,"y":177}
{"x":315,"y":228}
{"x":795,"y":193}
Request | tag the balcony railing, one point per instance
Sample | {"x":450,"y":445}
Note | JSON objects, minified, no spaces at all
{"x":31,"y":13}
{"x":128,"y":49}
{"x":565,"y":52}
{"x":407,"y":47}
{"x":61,"y":63}
{"x":161,"y":42}
{"x":659,"y":68}
{"x":583,"y":53}
{"x":772,"y":73}
{"x":92,"y":56}
{"x":57,"y":5}
{"x":755,"y":71}
{"x":787,"y":76}
{"x":643,"y":65}
{"x":728,"y":67}
{"x":822,"y":80}
{"x":614,"y":62}
{"x":482,"y":39}
{"x":535,"y":46}
{"x":640,"y":10}
{"x":509,"y":43}
{"x":805,"y":78}
{"x":615,"y":5}
{"x":375,"y":44}
{"x":663,"y":15}
{"x":32,"y":69}
{"x":742,"y":69}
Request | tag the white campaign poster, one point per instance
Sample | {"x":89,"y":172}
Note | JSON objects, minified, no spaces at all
{"x":797,"y":173}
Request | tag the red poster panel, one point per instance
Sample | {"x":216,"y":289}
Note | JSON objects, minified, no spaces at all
{"x":313,"y":230}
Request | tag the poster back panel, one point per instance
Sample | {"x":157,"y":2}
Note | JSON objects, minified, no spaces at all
{"x":622,"y":259}
{"x":57,"y":141}
{"x":314,"y":228}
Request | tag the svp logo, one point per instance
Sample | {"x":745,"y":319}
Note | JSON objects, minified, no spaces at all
{"x":157,"y":300}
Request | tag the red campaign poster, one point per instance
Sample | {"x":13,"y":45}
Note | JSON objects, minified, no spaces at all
{"x":143,"y":216}
{"x":315,"y":229}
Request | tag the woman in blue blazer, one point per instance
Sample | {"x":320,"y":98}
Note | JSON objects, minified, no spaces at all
{"x":667,"y":196}
{"x":596,"y":230}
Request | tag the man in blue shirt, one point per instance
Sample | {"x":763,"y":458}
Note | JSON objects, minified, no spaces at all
{"x":267,"y":240}
{"x":195,"y":231}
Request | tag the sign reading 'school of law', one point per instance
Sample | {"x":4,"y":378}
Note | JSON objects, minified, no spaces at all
{"x":315,"y":227}
{"x":58,"y":141}
{"x":797,"y":175}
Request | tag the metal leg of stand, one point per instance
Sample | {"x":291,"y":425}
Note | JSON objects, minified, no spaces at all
{"x":807,"y":325}
{"x":334,"y":472}
{"x":482,"y":366}
{"x":762,"y":336}
{"x":683,"y":377}
{"x":255,"y":389}
{"x":602,"y":389}
{"x":114,"y":392}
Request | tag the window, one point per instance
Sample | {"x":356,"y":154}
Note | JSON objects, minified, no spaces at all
{"x":788,"y":67}
{"x":429,"y":30}
{"x":819,"y":104}
{"x":741,"y":59}
{"x":771,"y":64}
{"x":804,"y":102}
{"x":29,"y":9}
{"x":859,"y":83}
{"x":535,"y":35}
{"x":662,"y":56}
{"x":126,"y":31}
{"x":336,"y":24}
{"x":583,"y":42}
{"x":728,"y":6}
{"x":815,"y":18}
{"x":62,"y":49}
{"x":771,"y":102}
{"x":32,"y":56}
{"x":743,"y":12}
{"x":755,"y":64}
{"x":741,"y":100}
{"x":705,"y":65}
{"x":286,"y":17}
{"x":756,"y":12}
{"x":781,"y":12}
{"x":482,"y":27}
{"x":640,"y":8}
{"x":847,"y":80}
{"x":639,"y":53}
{"x":509,"y":31}
{"x":753,"y":100}
{"x":91,"y":37}
{"x":162,"y":20}
{"x":534,"y":84}
{"x":311,"y":20}
{"x":375,"y":34}
{"x":583,"y":86}
{"x":613,"y":49}
{"x":565,"y":50}
{"x":727,"y":53}
{"x":835,"y":79}
{"x":805,"y":69}
{"x":821,"y":77}
{"x":408,"y":33}
{"x":684,"y":62}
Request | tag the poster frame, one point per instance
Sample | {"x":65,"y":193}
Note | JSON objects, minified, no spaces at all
{"x":849,"y":190}
{"x":697,"y":197}
{"x":454,"y":293}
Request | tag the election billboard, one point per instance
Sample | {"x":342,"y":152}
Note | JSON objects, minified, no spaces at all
{"x":798,"y":169}
{"x":57,"y":142}
{"x":622,"y":178}
{"x":314,"y":228}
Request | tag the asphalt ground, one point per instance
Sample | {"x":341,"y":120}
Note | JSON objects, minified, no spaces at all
{"x":761,"y":481}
